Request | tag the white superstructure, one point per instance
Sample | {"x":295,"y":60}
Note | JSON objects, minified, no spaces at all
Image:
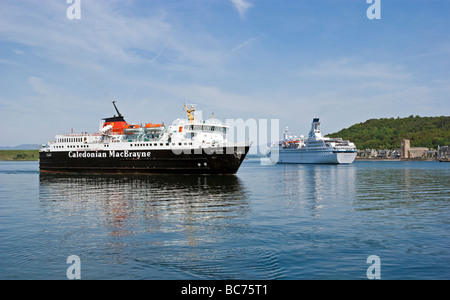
{"x":316,"y":149}
{"x":186,"y":134}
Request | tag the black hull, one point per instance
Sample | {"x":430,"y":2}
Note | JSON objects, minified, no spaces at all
{"x":145,"y":161}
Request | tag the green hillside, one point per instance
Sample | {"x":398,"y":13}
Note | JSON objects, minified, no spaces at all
{"x":387,"y":133}
{"x":19,"y":155}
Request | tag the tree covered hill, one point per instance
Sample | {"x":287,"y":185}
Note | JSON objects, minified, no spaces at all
{"x":388,"y":133}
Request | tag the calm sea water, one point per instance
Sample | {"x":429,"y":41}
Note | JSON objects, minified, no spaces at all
{"x":267,"y":222}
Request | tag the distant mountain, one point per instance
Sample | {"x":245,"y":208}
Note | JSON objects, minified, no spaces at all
{"x":23,"y":147}
{"x":387,"y":133}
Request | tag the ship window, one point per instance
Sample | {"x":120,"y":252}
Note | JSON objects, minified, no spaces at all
{"x":179,"y":144}
{"x":131,"y":145}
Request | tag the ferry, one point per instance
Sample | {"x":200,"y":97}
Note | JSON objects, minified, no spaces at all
{"x":316,"y":149}
{"x":187,"y":146}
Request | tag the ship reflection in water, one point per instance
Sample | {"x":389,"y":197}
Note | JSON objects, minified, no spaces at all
{"x":120,"y":212}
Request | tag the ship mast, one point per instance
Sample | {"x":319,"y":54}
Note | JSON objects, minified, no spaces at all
{"x":118,"y":112}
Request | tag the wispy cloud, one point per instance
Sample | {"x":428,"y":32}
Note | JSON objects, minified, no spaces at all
{"x":104,"y":34}
{"x":242,"y":6}
{"x":346,"y":67}
{"x":245,"y":44}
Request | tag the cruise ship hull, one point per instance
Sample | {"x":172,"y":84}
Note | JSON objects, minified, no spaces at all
{"x":224,"y":160}
{"x":296,"y":156}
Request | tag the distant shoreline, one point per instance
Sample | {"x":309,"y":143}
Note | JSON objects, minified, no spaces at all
{"x":395,"y":159}
{"x":19,"y":155}
{"x":33,"y":155}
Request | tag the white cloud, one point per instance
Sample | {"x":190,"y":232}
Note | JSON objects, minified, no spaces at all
{"x":245,"y":44}
{"x":242,"y":6}
{"x":106,"y":35}
{"x":355,"y":68}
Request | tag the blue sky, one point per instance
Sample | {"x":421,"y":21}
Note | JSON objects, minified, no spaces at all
{"x":291,"y":60}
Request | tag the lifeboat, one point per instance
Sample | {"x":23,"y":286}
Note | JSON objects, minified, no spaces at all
{"x":106,"y":128}
{"x":132,"y":129}
{"x":153,"y":127}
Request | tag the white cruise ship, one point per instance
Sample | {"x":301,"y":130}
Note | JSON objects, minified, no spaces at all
{"x":316,"y":149}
